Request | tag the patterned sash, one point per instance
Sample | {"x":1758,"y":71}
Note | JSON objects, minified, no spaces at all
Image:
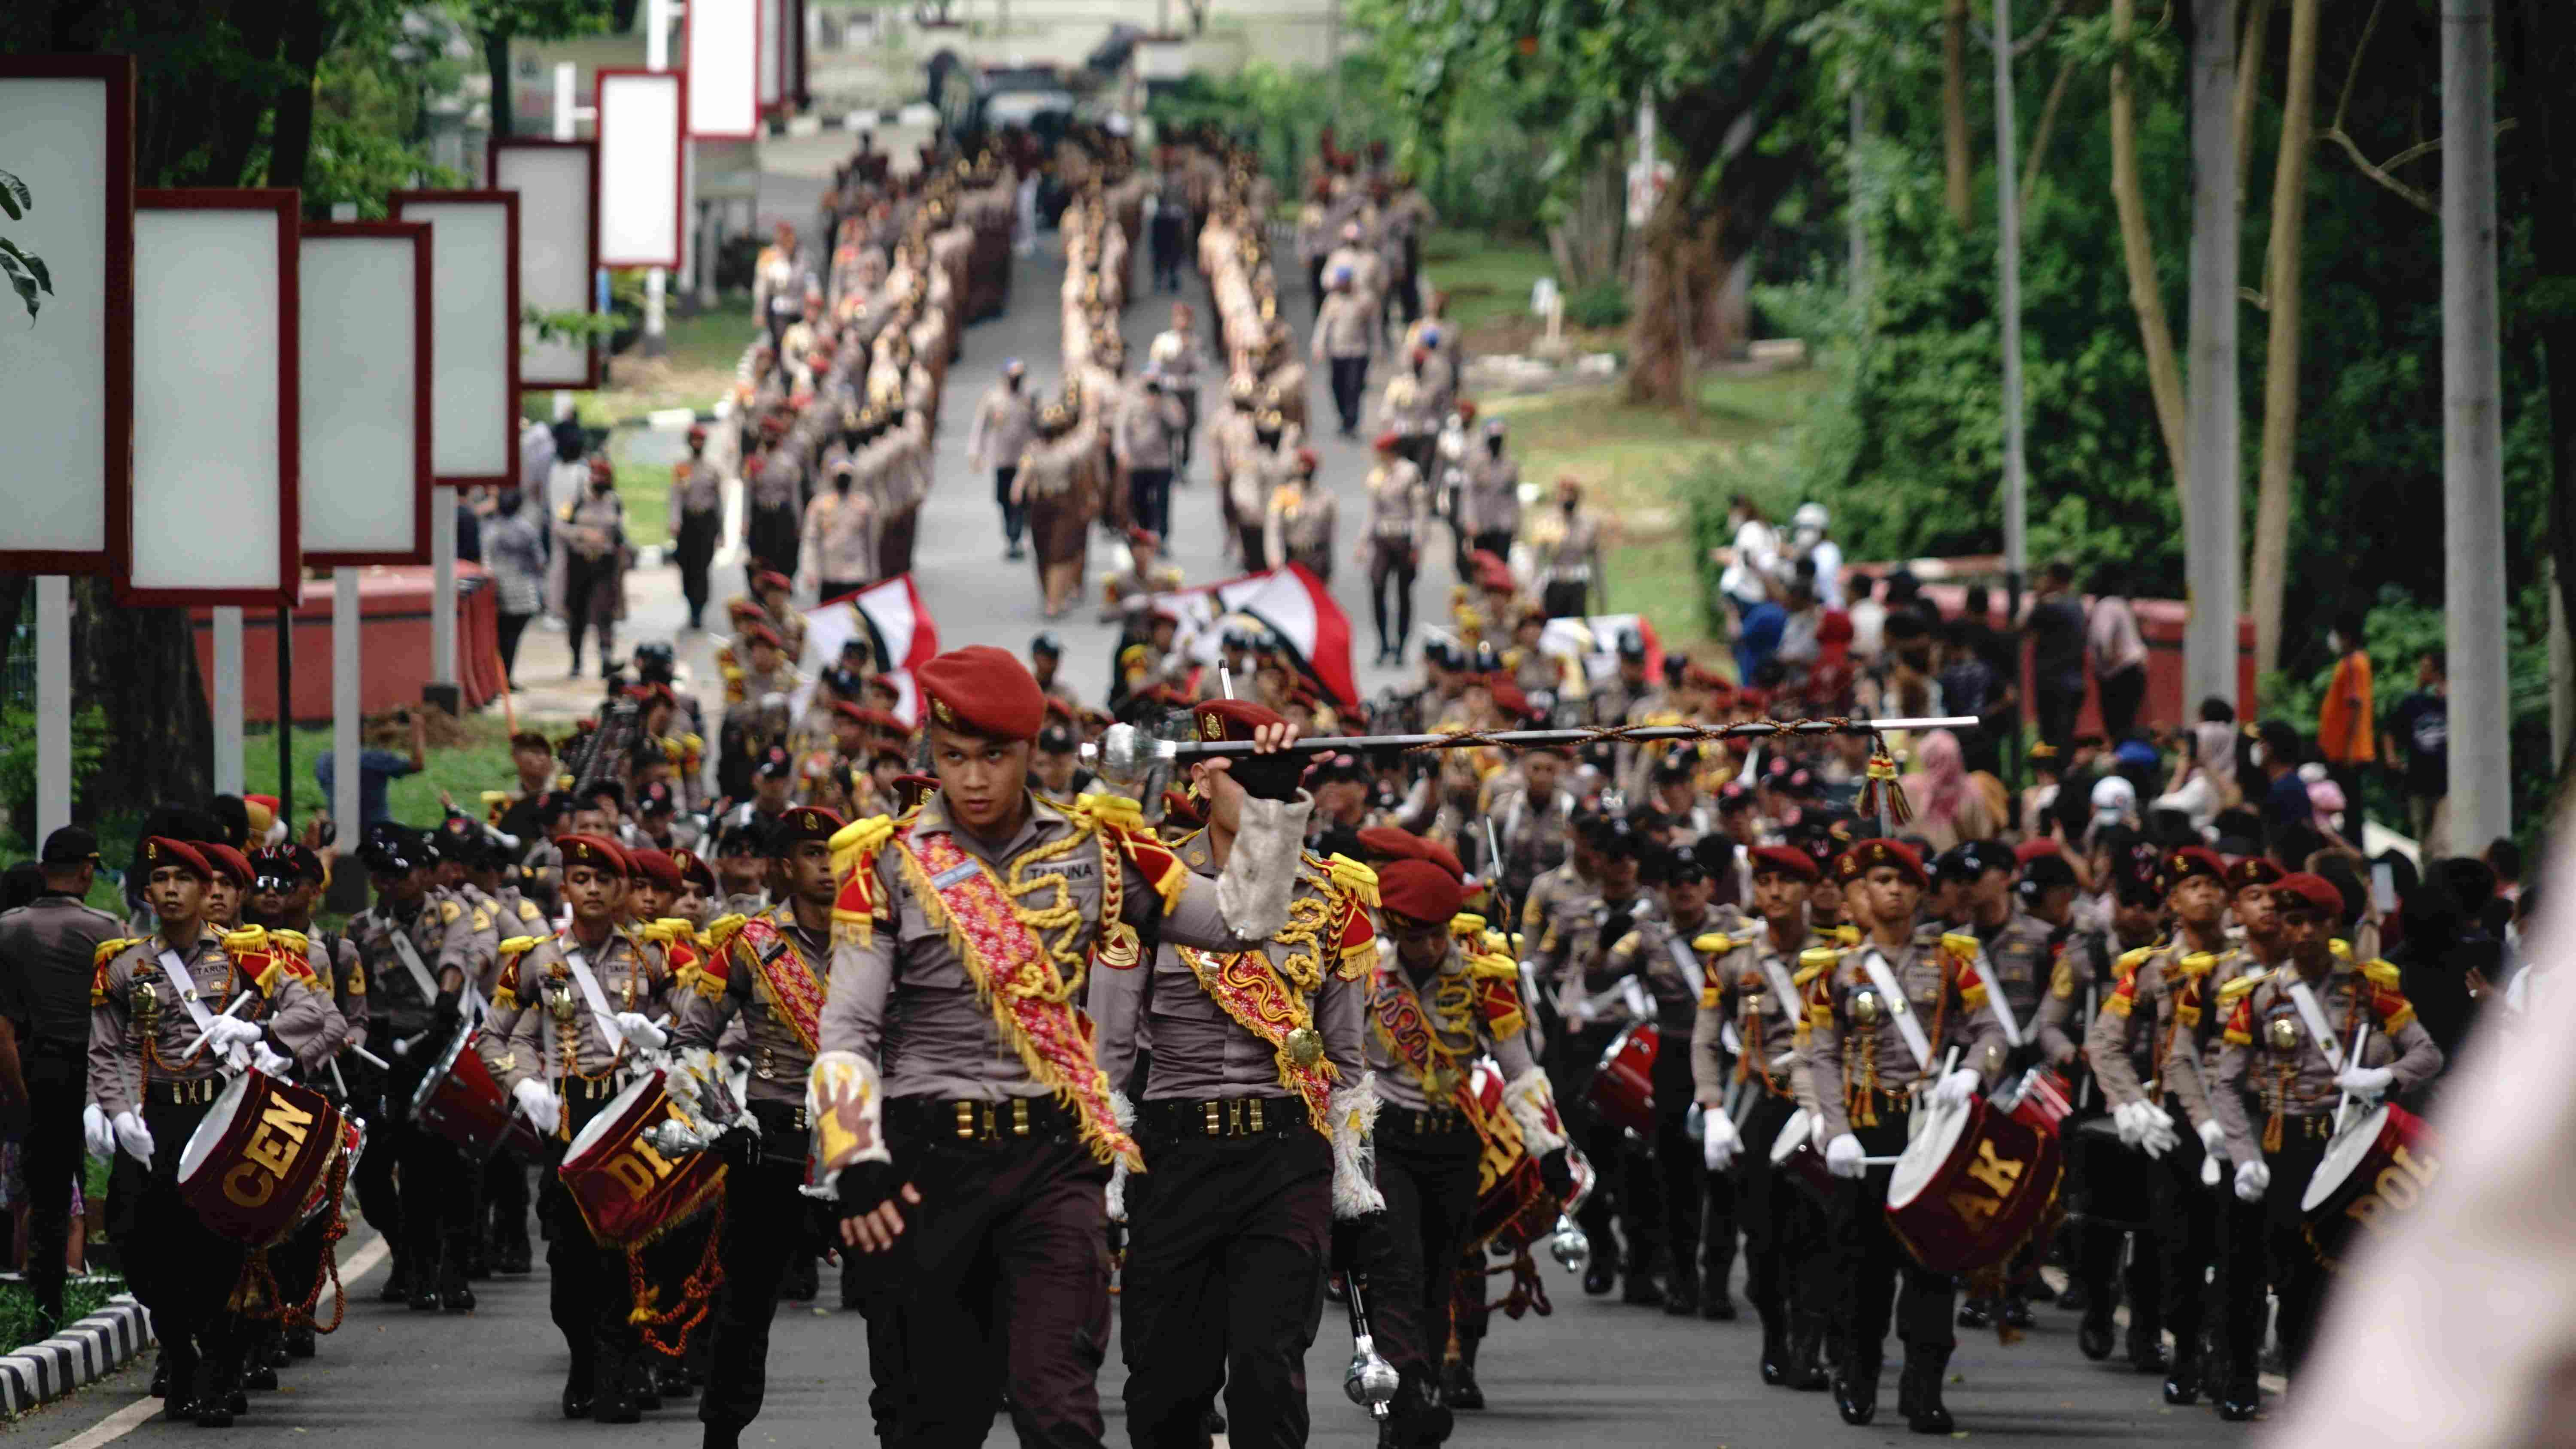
{"x":784,"y":977}
{"x":1245,"y":987}
{"x":1017,"y":979}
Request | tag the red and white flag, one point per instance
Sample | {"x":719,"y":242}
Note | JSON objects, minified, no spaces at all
{"x":1293,"y":604}
{"x":892,"y":618}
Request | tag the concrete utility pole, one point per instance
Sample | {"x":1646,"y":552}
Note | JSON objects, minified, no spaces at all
{"x":2008,"y":262}
{"x":2472,"y":434}
{"x":2213,"y":547}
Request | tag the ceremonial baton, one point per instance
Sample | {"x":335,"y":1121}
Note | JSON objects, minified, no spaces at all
{"x":1125,"y":751}
{"x":1370,"y":1381}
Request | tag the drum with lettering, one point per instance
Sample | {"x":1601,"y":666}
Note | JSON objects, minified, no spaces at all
{"x":1622,"y":1092}
{"x":1972,"y":1186}
{"x":261,"y":1154}
{"x":459,"y":1101}
{"x":628,"y":1192}
{"x":1793,"y":1151}
{"x":2371,"y":1177}
{"x":1514,"y":1209}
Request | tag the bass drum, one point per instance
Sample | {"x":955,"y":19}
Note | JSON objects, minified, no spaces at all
{"x":1793,"y":1151}
{"x":261,"y":1154}
{"x":459,"y":1101}
{"x":2372,"y":1175}
{"x":1622,"y":1092}
{"x":627,"y":1192}
{"x":1514,"y":1209}
{"x":1972,"y":1186}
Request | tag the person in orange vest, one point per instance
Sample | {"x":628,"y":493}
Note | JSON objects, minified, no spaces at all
{"x":2347,"y":738}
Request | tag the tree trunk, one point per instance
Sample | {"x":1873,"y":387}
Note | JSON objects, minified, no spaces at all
{"x":139,"y":666}
{"x":496,"y":64}
{"x":239,"y":106}
{"x":1954,"y":109}
{"x":1659,"y":329}
{"x":2249,"y":81}
{"x":2045,"y":131}
{"x":15,"y":590}
{"x":2137,"y":247}
{"x":2281,"y":346}
{"x":291,"y":134}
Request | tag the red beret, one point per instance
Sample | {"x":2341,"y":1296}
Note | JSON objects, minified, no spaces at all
{"x":1787,"y":860}
{"x":773,"y":579}
{"x":1389,"y":843}
{"x":655,"y":866}
{"x":1756,"y":700}
{"x":694,"y":867}
{"x":981,"y":690}
{"x":2030,"y":850}
{"x":1509,"y":699}
{"x":2306,"y":891}
{"x":1870,"y":854}
{"x":226,"y":860}
{"x":1386,"y":441}
{"x":745,"y":609}
{"x":1419,"y":890}
{"x":911,"y":790}
{"x":2253,"y":870}
{"x":591,"y":850}
{"x":763,"y":634}
{"x":805,"y":822}
{"x":1466,"y":410}
{"x":2191,"y":860}
{"x":161,"y":850}
{"x":1307,"y":462}
{"x":1181,"y":809}
{"x":1232,"y":719}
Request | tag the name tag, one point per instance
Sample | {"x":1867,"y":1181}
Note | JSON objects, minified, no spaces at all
{"x":961,"y":871}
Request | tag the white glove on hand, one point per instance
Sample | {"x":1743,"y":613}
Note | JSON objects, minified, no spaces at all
{"x":543,"y":1111}
{"x":2252,"y":1179}
{"x":2365,"y":1081}
{"x":134,"y":1137}
{"x":640,"y":1030}
{"x":1718,"y":1141}
{"x":1843,"y":1157}
{"x":2124,"y":1120}
{"x":99,"y":1137}
{"x":2213,"y":1138}
{"x":1116,"y":1193}
{"x":2156,"y":1130}
{"x":226,"y":1032}
{"x":1955,"y":1089}
{"x":268,"y":1062}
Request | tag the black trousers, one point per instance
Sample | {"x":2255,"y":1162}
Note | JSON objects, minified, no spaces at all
{"x":1565,"y":600}
{"x":1256,"y":548}
{"x":503,"y":1221}
{"x":1149,"y":499}
{"x":1410,"y":1264}
{"x":1877,"y":1273}
{"x":1788,"y":1269}
{"x":2119,"y":1247}
{"x":1350,"y":383}
{"x":829,"y":589}
{"x":1002,"y":1279}
{"x":590,"y":602}
{"x":51,"y":1161}
{"x":1015,"y":518}
{"x":2298,"y":1278}
{"x":2057,"y":707}
{"x":1611,"y":1213}
{"x":511,"y":627}
{"x":697,"y":553}
{"x":2121,"y":692}
{"x":765,"y":1225}
{"x":1228,"y":1239}
{"x":1314,"y":286}
{"x":176,"y":1267}
{"x":2186,"y":1218}
{"x":772,"y":541}
{"x":1675,"y":1188}
{"x":438,"y":1203}
{"x":2244,"y":1281}
{"x":379,"y":1200}
{"x":586,"y":1291}
{"x":1392,"y":563}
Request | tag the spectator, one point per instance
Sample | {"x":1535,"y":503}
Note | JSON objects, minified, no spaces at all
{"x":1969,"y":685}
{"x":1868,"y":620}
{"x":1752,"y":560}
{"x":516,"y":558}
{"x":1950,"y":804}
{"x":2504,"y":857}
{"x":2285,"y":795}
{"x":2055,"y":625}
{"x":378,"y":768}
{"x":536,"y":455}
{"x":1799,"y":644}
{"x":1905,"y":596}
{"x":2115,"y":652}
{"x":2449,"y":960}
{"x":1759,"y":639}
{"x":1815,"y":543}
{"x":2345,"y":740}
{"x":2417,"y":741}
{"x":2204,"y":778}
{"x":469,"y":532}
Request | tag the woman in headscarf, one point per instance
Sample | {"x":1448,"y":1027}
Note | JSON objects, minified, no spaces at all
{"x":1949,"y":805}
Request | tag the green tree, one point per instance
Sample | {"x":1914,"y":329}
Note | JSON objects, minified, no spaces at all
{"x":24,"y":269}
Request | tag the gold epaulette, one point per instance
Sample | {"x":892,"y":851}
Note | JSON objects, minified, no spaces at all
{"x":109,"y":950}
{"x":1105,"y":809}
{"x":496,"y":797}
{"x":721,"y":931}
{"x":1714,"y":944}
{"x":1354,"y":878}
{"x":2061,"y":978}
{"x":2195,"y":963}
{"x":2130,"y":961}
{"x":1494,"y":968}
{"x":295,"y":941}
{"x":1846,"y":937}
{"x":2341,"y":948}
{"x":2381,"y":974}
{"x":1959,"y":943}
{"x":245,"y":940}
{"x":659,"y":931}
{"x":680,"y":929}
{"x":2241,"y":987}
{"x":1814,"y":962}
{"x":1467,"y":926}
{"x":518,"y":946}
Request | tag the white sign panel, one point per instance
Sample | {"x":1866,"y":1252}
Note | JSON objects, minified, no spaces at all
{"x":474,"y":332}
{"x":558,"y":186}
{"x":720,"y":49}
{"x":639,"y":168}
{"x":365,"y":397}
{"x":213,"y":518}
{"x":66,"y":373}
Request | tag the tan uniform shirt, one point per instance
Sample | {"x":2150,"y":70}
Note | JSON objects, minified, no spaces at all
{"x":730,"y":993}
{"x":442,"y":935}
{"x":140,"y":1029}
{"x":841,"y":536}
{"x":1943,"y":992}
{"x":1005,"y":421}
{"x":1302,"y":520}
{"x":2267,"y":1051}
{"x":1399,"y":504}
{"x":1741,"y":989}
{"x":542,"y":1023}
{"x":1347,"y":325}
{"x":1458,"y":1023}
{"x":1491,"y":501}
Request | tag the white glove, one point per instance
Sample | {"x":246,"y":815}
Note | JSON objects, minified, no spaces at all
{"x":543,"y":1111}
{"x":96,"y":1134}
{"x":269,"y":1062}
{"x":2156,"y":1130}
{"x":1843,"y":1157}
{"x":640,"y":1030}
{"x":1955,"y":1089}
{"x":1718,"y":1141}
{"x":2365,"y":1081}
{"x":2125,"y":1119}
{"x":134,"y":1137}
{"x":226,"y":1032}
{"x":2252,"y":1178}
{"x":2213,"y":1138}
{"x":1116,"y":1193}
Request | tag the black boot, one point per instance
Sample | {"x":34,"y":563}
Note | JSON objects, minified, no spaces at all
{"x":1637,"y":1285}
{"x":1463,"y":1392}
{"x":453,"y":1295}
{"x":1601,"y":1275}
{"x":424,"y":1284}
{"x":1681,"y":1292}
{"x":397,"y":1287}
{"x":2093,"y":1335}
{"x":2147,"y":1348}
{"x":671,"y":1379}
{"x":612,"y":1392}
{"x":512,"y":1259}
{"x":161,"y":1373}
{"x":214,"y":1409}
{"x":1924,"y":1369}
{"x":1775,"y":1348}
{"x":175,"y":1379}
{"x":300,"y":1341}
{"x":2182,"y":1380}
{"x":640,"y":1380}
{"x":261,"y":1374}
{"x":721,"y":1434}
{"x":581,"y":1387}
{"x":1806,"y":1370}
{"x":2240,"y":1400}
{"x":1856,"y":1386}
{"x":2075,"y":1296}
{"x":2015,"y":1311}
{"x":1977,"y":1313}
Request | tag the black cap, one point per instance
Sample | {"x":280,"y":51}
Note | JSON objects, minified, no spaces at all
{"x":743,"y":837}
{"x":2043,"y":874}
{"x":71,"y":845}
{"x":391,"y":849}
{"x":656,"y":799}
{"x":775,"y":763}
{"x":1047,"y":643}
{"x":1632,"y":645}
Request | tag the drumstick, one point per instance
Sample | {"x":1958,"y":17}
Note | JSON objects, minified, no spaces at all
{"x":370,"y":1058}
{"x":199,"y":1044}
{"x":2343,"y":1102}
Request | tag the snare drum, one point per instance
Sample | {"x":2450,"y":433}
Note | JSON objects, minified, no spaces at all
{"x":259,"y":1156}
{"x":459,"y":1101}
{"x":1971,"y":1186}
{"x":1513,"y":1206}
{"x":1794,"y":1152}
{"x":2372,"y":1175}
{"x":1622,"y":1091}
{"x":2043,"y":1099}
{"x":628,"y":1192}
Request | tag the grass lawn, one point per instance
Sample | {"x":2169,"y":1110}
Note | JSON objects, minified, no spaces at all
{"x":646,"y":487}
{"x":1635,"y":464}
{"x":1487,"y":278}
{"x":476,"y":761}
{"x":697,"y":370}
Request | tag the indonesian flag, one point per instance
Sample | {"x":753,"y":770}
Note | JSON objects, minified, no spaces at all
{"x":890,"y":616}
{"x":1292,"y":603}
{"x":1595,"y":641}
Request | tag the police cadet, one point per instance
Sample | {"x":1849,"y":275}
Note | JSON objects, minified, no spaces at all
{"x":1255,"y":1122}
{"x":1659,"y":951}
{"x":1753,"y":992}
{"x":1878,"y":1023}
{"x":417,"y":953}
{"x":699,"y":487}
{"x":768,"y":972}
{"x":1433,"y":1011}
{"x":47,"y":948}
{"x":2017,"y":967}
{"x":1573,"y":958}
{"x":568,"y":1010}
{"x":957,"y":1101}
{"x":158,"y":1051}
{"x":2289,"y":1044}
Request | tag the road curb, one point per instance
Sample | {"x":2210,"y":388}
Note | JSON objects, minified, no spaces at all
{"x":82,"y":1354}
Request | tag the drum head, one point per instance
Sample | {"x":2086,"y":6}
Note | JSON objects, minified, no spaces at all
{"x":1938,"y":1133}
{"x":613,"y":1114}
{"x":212,"y":1127}
{"x":2343,"y":1155}
{"x":1792,"y":1132}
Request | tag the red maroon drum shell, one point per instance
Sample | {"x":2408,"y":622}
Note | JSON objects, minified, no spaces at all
{"x":1622,"y":1092}
{"x":353,"y":1148}
{"x":1513,"y":1206}
{"x":2372,"y":1175}
{"x":628,"y":1193}
{"x":1972,"y":1186}
{"x":1794,"y":1152}
{"x":2045,"y":1099}
{"x":461,"y":1102}
{"x":262,"y":1151}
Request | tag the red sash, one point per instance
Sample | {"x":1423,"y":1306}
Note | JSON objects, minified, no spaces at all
{"x":783,"y":974}
{"x":1017,"y":979}
{"x":1245,"y":987}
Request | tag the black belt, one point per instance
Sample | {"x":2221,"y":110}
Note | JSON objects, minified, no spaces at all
{"x":195,"y":1093}
{"x":943,"y":1119}
{"x":1429,"y":1122}
{"x":1224,"y":1116}
{"x":590,"y":1089}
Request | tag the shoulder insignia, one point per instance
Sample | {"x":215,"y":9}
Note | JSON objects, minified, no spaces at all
{"x":854,"y":865}
{"x":482,"y":919}
{"x":448,"y":911}
{"x":1357,"y":879}
{"x":1354,"y":937}
{"x":2240,"y":1020}
{"x":2241,"y":987}
{"x":2382,"y":974}
{"x":2061,"y":979}
{"x":1499,"y":996}
{"x":529,"y":913}
{"x":2394,"y":1011}
{"x":353,"y":979}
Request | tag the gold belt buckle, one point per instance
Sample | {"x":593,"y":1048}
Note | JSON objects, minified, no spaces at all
{"x":1215,"y":1125}
{"x":1019,"y":1116}
{"x":1254,"y":1112}
{"x":965,"y":1121}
